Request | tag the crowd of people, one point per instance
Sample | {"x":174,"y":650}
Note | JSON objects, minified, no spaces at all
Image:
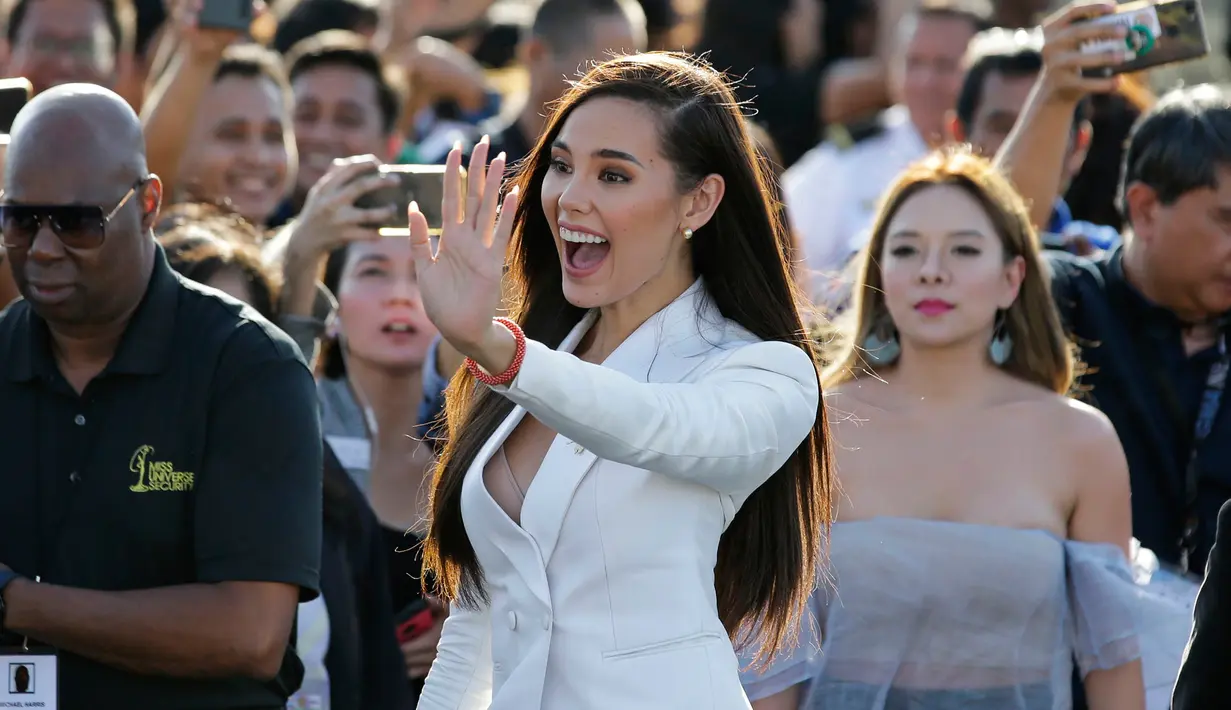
{"x":513,"y":354}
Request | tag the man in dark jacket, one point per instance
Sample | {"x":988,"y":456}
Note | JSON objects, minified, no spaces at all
{"x":1203,"y":681}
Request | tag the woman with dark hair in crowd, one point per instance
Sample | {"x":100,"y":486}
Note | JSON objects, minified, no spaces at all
{"x":372,"y":368}
{"x":983,"y":535}
{"x":345,"y":637}
{"x":641,"y":476}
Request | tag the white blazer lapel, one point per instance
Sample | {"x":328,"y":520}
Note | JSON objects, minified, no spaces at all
{"x":662,"y":349}
{"x":502,"y":432}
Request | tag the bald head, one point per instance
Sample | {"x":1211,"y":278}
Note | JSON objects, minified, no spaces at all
{"x":78,"y":126}
{"x":81,"y":205}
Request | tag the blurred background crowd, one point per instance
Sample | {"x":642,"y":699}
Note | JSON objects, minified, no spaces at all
{"x":267,"y":138}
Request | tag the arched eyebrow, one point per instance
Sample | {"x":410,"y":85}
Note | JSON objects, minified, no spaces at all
{"x":366,"y":258}
{"x":609,"y":153}
{"x":913,"y":234}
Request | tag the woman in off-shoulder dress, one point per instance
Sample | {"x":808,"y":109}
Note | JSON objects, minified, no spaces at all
{"x":639,"y":472}
{"x":983,"y":532}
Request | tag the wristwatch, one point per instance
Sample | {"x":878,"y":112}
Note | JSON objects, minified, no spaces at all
{"x":6,"y":576}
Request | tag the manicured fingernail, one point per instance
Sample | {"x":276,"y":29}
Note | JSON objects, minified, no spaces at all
{"x":414,"y":206}
{"x":486,"y":139}
{"x":516,"y":189}
{"x":457,"y":145}
{"x":501,"y":156}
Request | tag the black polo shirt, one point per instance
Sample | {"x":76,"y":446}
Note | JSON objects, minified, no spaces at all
{"x":194,"y":457}
{"x":1135,"y":354}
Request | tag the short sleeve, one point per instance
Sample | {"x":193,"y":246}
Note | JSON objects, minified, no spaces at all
{"x":257,"y":503}
{"x":1122,"y":614}
{"x":1101,"y":594}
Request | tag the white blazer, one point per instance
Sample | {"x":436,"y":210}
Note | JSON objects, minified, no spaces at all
{"x":603,"y":598}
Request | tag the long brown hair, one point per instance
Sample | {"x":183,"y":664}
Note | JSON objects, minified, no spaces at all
{"x":1041,"y":354}
{"x":768,"y":556}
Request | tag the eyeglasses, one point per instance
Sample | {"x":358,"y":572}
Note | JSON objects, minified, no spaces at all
{"x":76,"y":226}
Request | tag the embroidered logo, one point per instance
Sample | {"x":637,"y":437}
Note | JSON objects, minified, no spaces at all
{"x":156,"y":475}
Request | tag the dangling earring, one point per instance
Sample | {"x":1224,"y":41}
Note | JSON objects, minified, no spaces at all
{"x":881,"y":345}
{"x":687,"y":233}
{"x":1001,"y":346}
{"x":333,"y":328}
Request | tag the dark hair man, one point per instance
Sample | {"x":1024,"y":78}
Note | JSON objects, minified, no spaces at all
{"x":1002,"y":66}
{"x":307,"y":18}
{"x":162,"y":509}
{"x":55,"y":42}
{"x":564,"y":36}
{"x":1152,"y":315}
{"x":347,"y":102}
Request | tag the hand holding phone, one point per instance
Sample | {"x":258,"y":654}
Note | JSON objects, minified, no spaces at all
{"x":414,"y":621}
{"x":235,"y":15}
{"x":419,"y":183}
{"x":1065,"y":77}
{"x":1154,"y":34}
{"x":207,"y":27}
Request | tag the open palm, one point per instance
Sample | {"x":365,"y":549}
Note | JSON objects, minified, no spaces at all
{"x":460,"y":284}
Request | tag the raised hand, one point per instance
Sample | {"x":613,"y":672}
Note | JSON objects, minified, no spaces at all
{"x":1064,"y":33}
{"x":207,"y":43}
{"x":460,"y":284}
{"x":329,"y":218}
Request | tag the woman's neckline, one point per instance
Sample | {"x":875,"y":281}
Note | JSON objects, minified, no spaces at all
{"x":937,"y":522}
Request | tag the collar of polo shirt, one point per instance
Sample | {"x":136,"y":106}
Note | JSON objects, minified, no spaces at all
{"x":144,"y":348}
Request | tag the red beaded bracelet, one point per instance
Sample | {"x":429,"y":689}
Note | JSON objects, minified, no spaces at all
{"x":509,"y":374}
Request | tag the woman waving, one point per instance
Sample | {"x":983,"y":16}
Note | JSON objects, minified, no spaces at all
{"x":640,"y":474}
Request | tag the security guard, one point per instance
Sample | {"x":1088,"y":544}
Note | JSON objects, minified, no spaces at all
{"x":833,"y":192}
{"x":161,"y":508}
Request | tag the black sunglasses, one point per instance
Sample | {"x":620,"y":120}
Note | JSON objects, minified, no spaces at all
{"x":76,"y":226}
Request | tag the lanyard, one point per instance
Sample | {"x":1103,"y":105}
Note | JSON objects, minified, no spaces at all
{"x":1211,"y":402}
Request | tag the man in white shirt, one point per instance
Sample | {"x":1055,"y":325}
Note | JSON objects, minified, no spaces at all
{"x":832,"y":193}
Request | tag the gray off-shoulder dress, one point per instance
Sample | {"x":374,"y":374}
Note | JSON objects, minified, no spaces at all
{"x":931,"y":615}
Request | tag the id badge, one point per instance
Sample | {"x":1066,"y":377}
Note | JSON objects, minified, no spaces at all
{"x":31,"y":678}
{"x":313,"y":694}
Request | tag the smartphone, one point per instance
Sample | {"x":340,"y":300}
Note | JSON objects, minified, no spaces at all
{"x":14,"y":95}
{"x":424,"y":184}
{"x":413,"y":621}
{"x":226,"y":15}
{"x":1159,"y":33}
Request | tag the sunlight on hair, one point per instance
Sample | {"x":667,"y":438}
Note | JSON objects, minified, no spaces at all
{"x":1044,"y":355}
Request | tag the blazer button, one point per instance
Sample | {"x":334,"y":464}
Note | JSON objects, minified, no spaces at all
{"x":513,"y":620}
